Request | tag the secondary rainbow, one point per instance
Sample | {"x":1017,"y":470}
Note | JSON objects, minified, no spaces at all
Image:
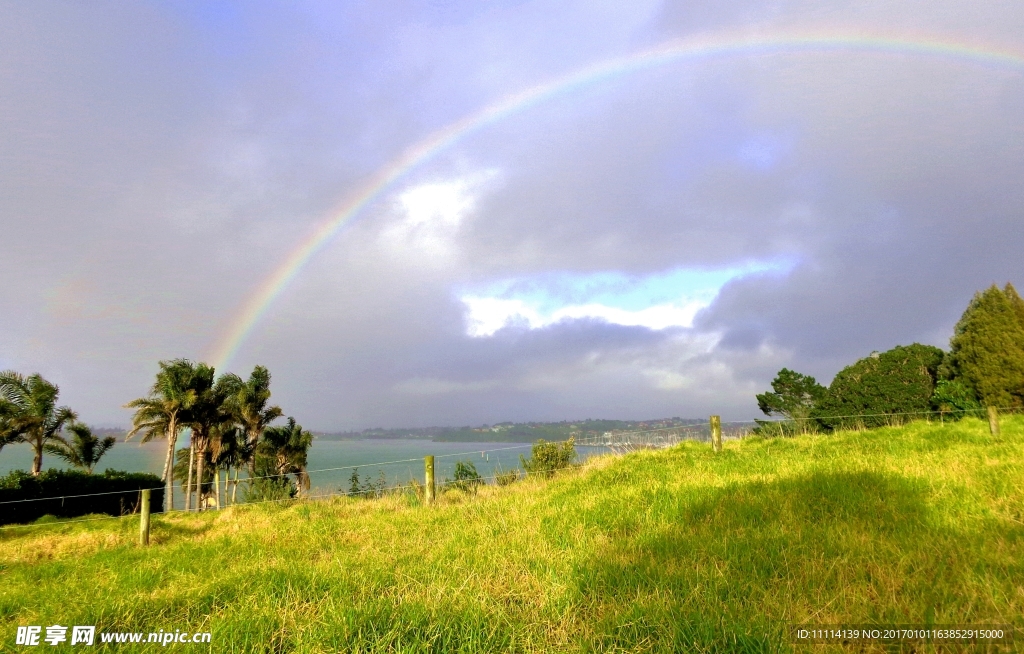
{"x":706,"y":47}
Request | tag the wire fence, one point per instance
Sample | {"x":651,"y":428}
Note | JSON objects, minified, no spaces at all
{"x":407,"y":488}
{"x":614,"y":442}
{"x":180,"y":487}
{"x":701,"y":431}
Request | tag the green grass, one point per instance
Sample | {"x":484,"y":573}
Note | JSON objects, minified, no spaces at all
{"x":673,"y":550}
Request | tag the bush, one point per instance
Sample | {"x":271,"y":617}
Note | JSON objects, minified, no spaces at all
{"x":881,"y":389}
{"x":953,"y":399}
{"x":466,"y":477}
{"x":54,"y":493}
{"x":546,"y":458}
{"x":268,"y":485}
{"x":271,"y":489}
{"x":507,"y":477}
{"x":368,"y":489}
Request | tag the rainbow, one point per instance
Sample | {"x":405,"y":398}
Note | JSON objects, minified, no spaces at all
{"x":711,"y":46}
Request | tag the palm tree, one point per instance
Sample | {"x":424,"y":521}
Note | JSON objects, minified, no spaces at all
{"x":6,"y":428}
{"x":206,"y":414}
{"x":225,"y":450}
{"x":159,"y":414}
{"x":31,"y":414}
{"x":248,"y":402}
{"x":184,"y":461}
{"x":233,"y":452}
{"x":284,"y":450}
{"x":84,"y":450}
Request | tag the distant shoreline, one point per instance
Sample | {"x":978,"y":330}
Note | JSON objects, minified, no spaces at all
{"x":510,"y":432}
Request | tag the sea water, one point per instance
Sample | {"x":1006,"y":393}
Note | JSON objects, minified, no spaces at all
{"x":330,"y":463}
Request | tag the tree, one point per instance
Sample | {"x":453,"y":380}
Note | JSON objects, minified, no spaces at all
{"x":793,"y":396}
{"x":7,"y":430}
{"x":882,"y":389}
{"x":185,"y":467}
{"x":283,"y":451}
{"x":546,"y":458}
{"x":206,"y":414}
{"x":248,"y":403}
{"x":954,"y":399}
{"x":31,"y":414}
{"x":466,"y":477}
{"x":84,"y":450}
{"x":159,"y":414}
{"x":228,"y":453}
{"x":986,"y":352}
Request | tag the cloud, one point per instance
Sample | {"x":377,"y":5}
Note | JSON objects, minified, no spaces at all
{"x":485,"y":316}
{"x":428,"y":386}
{"x":161,"y":161}
{"x":657,"y":301}
{"x":431,"y":214}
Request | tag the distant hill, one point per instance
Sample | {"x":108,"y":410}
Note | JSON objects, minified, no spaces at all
{"x":511,"y":432}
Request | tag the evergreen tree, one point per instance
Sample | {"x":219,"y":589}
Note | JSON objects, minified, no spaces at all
{"x":953,"y":399}
{"x":987,"y":348}
{"x":1015,"y":301}
{"x":882,"y":389}
{"x":793,"y":396}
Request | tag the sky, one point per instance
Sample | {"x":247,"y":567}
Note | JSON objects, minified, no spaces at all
{"x":458,"y":213}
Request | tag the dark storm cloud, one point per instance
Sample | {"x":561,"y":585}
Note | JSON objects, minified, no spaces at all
{"x":922,"y":208}
{"x":161,"y":160}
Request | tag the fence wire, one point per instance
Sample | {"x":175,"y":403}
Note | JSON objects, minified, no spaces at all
{"x":615,"y":441}
{"x":411,"y":487}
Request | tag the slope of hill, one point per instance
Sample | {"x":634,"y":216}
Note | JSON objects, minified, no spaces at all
{"x":672,"y":550}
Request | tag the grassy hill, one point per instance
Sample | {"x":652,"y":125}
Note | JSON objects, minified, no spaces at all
{"x":674,"y":550}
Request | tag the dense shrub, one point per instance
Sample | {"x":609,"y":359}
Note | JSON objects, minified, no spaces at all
{"x":546,"y":458}
{"x":953,"y":399}
{"x":270,"y":489}
{"x":56,"y":492}
{"x":466,"y":477}
{"x":881,"y":389}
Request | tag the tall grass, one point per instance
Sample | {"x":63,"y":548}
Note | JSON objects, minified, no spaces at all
{"x":671,"y":550}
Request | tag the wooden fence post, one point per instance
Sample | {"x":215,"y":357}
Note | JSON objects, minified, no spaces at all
{"x":144,"y":521}
{"x":716,"y":433}
{"x":993,"y":421}
{"x":428,"y":487}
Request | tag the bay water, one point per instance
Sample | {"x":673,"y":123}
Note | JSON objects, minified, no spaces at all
{"x":330,"y":463}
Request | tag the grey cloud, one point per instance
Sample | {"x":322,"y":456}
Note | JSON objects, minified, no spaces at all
{"x":159,"y":163}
